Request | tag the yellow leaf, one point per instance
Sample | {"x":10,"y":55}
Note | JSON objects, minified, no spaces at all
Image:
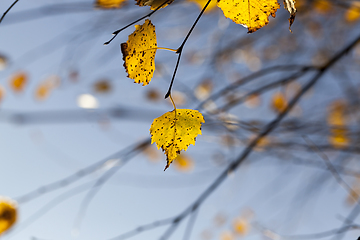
{"x":279,"y":102}
{"x":201,"y":4}
{"x":322,"y":6}
{"x":139,"y":53}
{"x":353,"y":13}
{"x":175,"y":131}
{"x":44,"y":88}
{"x":8,"y":214}
{"x":106,"y":4}
{"x":241,"y":226}
{"x":252,"y":14}
{"x":227,"y":235}
{"x":154,"y":4}
{"x":18,"y":81}
{"x":184,"y":163}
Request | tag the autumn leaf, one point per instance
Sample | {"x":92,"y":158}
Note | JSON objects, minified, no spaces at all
{"x":154,"y":4}
{"x":44,"y":89}
{"x":353,"y":13}
{"x":108,"y":4}
{"x":252,"y":14}
{"x":184,"y":163}
{"x":175,"y":131}
{"x":102,"y":86}
{"x":241,"y":226}
{"x":139,"y":53}
{"x":290,"y":6}
{"x":18,"y":81}
{"x":8,"y":213}
{"x":279,"y":102}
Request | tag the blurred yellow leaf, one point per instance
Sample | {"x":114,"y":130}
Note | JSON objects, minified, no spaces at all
{"x":336,"y":113}
{"x":201,"y":5}
{"x":322,"y":6}
{"x":106,"y":4}
{"x":278,"y":102}
{"x":241,"y":226}
{"x":253,"y":101}
{"x":184,"y":163}
{"x":227,"y":235}
{"x":353,"y":13}
{"x":44,"y":88}
{"x":139,"y":53}
{"x":102,"y":86}
{"x":252,"y":14}
{"x":204,"y":89}
{"x":18,"y":81}
{"x":3,"y":62}
{"x":153,"y":95}
{"x":8,"y":214}
{"x":154,"y":4}
{"x":175,"y":131}
{"x":338,"y":138}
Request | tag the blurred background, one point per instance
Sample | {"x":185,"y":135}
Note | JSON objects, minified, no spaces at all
{"x":75,"y":143}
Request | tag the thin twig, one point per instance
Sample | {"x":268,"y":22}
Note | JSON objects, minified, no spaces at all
{"x":11,"y":6}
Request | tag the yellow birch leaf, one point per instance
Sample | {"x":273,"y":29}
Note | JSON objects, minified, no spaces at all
{"x":353,"y":13}
{"x":175,"y":131}
{"x":18,"y":81}
{"x":8,"y":214}
{"x":154,"y":4}
{"x":107,"y":4}
{"x":139,"y":53}
{"x":252,"y":14}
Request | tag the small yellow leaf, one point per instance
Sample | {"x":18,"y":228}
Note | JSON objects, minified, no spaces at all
{"x":279,"y":102}
{"x":107,"y":4}
{"x":44,"y":88}
{"x":8,"y":213}
{"x":227,"y":235}
{"x":139,"y":53}
{"x":252,"y":14}
{"x":175,"y":131}
{"x":201,"y":5}
{"x":18,"y":81}
{"x":322,"y":6}
{"x":184,"y":163}
{"x":154,"y":4}
{"x":241,"y":226}
{"x":353,"y":13}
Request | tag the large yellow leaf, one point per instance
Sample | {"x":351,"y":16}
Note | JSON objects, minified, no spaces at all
{"x":8,"y":214}
{"x":154,"y":4}
{"x":252,"y":14}
{"x":107,"y":4}
{"x":175,"y":131}
{"x":139,"y":53}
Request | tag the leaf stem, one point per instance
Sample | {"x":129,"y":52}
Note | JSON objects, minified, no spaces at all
{"x":172,"y":101}
{"x":169,"y":49}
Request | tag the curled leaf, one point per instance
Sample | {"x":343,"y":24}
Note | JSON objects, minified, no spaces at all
{"x":139,"y":53}
{"x":18,"y":81}
{"x":252,"y":14}
{"x":175,"y":131}
{"x":290,"y":6}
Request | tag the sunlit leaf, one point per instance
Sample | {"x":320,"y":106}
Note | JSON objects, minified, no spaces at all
{"x":18,"y":81}
{"x":322,"y":6}
{"x":175,"y":131}
{"x":201,"y":5}
{"x":139,"y":53}
{"x":154,"y":4}
{"x":278,"y":102}
{"x":106,"y":4}
{"x":336,"y":113}
{"x":184,"y":163}
{"x":241,"y":226}
{"x":8,"y":213}
{"x":353,"y":13}
{"x":102,"y":86}
{"x":252,"y":14}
